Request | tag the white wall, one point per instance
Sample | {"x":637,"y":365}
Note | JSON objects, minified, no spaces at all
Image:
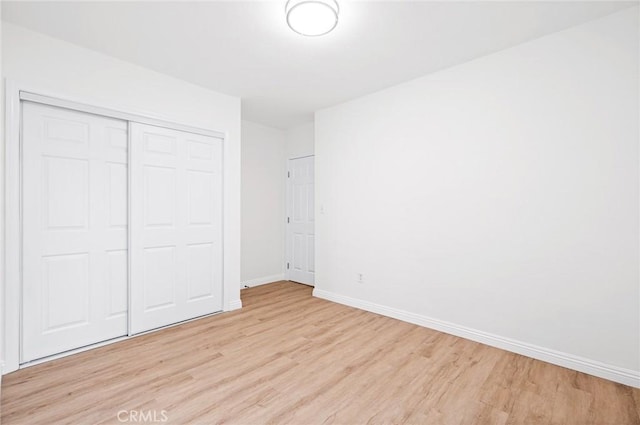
{"x":300,"y":140}
{"x":497,"y":200}
{"x":76,"y":73}
{"x":265,"y":152}
{"x":263,"y":203}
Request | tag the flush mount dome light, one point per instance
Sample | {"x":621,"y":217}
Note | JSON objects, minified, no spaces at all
{"x":312,"y":17}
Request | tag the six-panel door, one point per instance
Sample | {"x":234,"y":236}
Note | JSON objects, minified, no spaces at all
{"x":74,"y":230}
{"x":176,"y":229}
{"x":301,"y":221}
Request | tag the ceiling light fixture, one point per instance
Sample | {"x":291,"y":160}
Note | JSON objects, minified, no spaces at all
{"x":312,"y":17}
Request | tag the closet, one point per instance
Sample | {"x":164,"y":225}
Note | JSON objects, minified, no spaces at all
{"x":121,"y":227}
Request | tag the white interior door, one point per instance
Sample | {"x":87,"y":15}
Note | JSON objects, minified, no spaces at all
{"x":301,"y":221}
{"x":74,"y":230}
{"x":176,"y":235}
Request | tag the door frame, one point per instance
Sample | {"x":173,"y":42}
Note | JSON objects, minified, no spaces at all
{"x":15,"y":93}
{"x":287,"y":242}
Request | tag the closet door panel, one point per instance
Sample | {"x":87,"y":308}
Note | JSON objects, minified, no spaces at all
{"x":74,"y":232}
{"x":176,"y":236}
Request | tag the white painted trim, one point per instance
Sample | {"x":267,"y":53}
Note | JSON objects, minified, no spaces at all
{"x":12,"y":226}
{"x":287,"y":242}
{"x":262,"y":280}
{"x":234,"y":305}
{"x":300,"y":157}
{"x":581,"y":364}
{"x":129,"y":227}
{"x":107,"y":112}
{"x":100,"y":107}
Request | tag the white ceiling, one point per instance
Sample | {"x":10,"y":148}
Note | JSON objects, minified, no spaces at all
{"x":245,"y":48}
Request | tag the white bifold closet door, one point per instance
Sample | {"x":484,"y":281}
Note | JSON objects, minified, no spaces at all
{"x":176,"y":226}
{"x":74,"y":253}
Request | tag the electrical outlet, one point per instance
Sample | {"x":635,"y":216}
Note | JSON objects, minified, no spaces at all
{"x":360,"y":277}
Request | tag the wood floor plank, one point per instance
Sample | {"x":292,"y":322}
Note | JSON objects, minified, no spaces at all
{"x":289,"y":358}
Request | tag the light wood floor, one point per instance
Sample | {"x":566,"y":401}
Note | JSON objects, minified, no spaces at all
{"x":290,"y":358}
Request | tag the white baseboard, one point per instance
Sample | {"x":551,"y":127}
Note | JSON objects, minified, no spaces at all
{"x":234,"y":305}
{"x":262,"y":280}
{"x":581,"y":364}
